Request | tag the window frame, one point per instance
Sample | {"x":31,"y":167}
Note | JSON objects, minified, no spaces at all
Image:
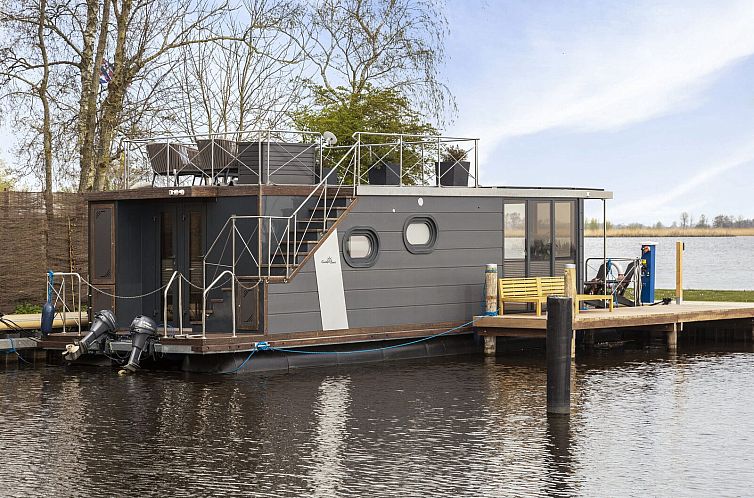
{"x":433,"y":234}
{"x":371,"y":234}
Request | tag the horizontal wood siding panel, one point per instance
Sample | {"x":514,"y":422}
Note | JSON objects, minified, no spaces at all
{"x":446,"y":222}
{"x":413,"y":314}
{"x":294,"y":322}
{"x":436,"y":260}
{"x":437,"y":205}
{"x":448,"y":239}
{"x":404,"y":288}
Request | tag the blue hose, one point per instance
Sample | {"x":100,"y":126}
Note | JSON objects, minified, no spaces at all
{"x":265,"y":346}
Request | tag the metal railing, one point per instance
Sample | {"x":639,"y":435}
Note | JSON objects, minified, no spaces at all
{"x":420,"y":160}
{"x":214,"y":158}
{"x":609,"y":283}
{"x":233,"y":300}
{"x":168,"y":286}
{"x":277,"y":242}
{"x":61,"y":295}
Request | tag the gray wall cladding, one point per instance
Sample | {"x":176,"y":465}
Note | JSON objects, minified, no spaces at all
{"x":401,"y":287}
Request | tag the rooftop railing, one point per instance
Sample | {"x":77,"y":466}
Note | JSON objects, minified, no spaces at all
{"x":249,"y":157}
{"x":290,"y":157}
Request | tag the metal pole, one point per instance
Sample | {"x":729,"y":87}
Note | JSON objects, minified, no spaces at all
{"x":79,"y":303}
{"x":204,"y":299}
{"x":437,"y":169}
{"x":288,"y":249}
{"x":400,"y":160}
{"x":233,"y":300}
{"x":269,"y":247}
{"x":476,"y":162}
{"x":260,"y":166}
{"x":357,"y":169}
{"x":62,"y":285}
{"x":558,"y":352}
{"x":268,"y":157}
{"x":233,"y":278}
{"x":604,"y":244}
{"x":212,"y":156}
{"x":180,"y":305}
{"x":233,"y":242}
{"x":320,"y":158}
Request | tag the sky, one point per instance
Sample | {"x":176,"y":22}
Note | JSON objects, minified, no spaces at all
{"x":651,"y":100}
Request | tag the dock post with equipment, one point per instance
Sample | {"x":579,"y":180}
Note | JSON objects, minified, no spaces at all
{"x":490,"y":309}
{"x":558,"y":346}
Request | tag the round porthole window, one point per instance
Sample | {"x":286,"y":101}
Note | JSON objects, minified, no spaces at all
{"x":360,"y":247}
{"x":420,"y":234}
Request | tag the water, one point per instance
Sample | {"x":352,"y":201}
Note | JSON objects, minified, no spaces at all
{"x":708,"y":262}
{"x":643,"y":423}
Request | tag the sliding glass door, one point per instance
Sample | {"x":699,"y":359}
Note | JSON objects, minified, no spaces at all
{"x":539,"y":237}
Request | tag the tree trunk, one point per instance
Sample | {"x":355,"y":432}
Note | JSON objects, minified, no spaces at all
{"x":85,"y":69}
{"x":46,"y":129}
{"x":113,"y":105}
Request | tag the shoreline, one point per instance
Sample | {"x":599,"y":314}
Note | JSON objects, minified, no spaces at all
{"x":671,"y":232}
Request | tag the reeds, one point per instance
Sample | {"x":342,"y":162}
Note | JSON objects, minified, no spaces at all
{"x":670,"y":232}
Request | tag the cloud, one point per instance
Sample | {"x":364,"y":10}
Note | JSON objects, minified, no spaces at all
{"x":662,"y":204}
{"x":604,"y":72}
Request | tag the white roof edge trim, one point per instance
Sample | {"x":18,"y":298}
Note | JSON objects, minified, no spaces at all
{"x":523,"y":192}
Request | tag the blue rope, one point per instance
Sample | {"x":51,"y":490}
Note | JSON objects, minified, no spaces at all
{"x":265,"y":346}
{"x":13,"y":349}
{"x":239,"y":367}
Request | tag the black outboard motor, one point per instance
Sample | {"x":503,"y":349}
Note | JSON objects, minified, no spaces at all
{"x":103,"y":325}
{"x":143,"y":331}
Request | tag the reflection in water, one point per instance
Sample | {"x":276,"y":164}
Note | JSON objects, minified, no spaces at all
{"x":559,"y":449}
{"x":642,"y":423}
{"x":330,"y":436}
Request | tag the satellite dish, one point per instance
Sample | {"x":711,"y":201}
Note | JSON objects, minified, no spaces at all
{"x":330,"y":138}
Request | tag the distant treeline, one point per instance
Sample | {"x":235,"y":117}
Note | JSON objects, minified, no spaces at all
{"x":686,"y":221}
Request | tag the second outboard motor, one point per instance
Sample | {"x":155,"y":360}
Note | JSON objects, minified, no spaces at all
{"x":102,"y":326}
{"x":143,"y":330}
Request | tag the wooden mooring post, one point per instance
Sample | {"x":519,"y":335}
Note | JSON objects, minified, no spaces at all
{"x":559,"y":336}
{"x":490,"y":308}
{"x":679,"y":247}
{"x":570,"y":291}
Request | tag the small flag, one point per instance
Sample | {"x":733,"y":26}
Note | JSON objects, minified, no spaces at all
{"x":105,"y":72}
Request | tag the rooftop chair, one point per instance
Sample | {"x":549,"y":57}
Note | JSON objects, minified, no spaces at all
{"x":218,"y":157}
{"x":171,"y":159}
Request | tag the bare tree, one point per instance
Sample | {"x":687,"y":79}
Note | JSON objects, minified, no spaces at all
{"x":385,"y":43}
{"x":249,"y":82}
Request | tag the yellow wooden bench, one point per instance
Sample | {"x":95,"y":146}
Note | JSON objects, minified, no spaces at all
{"x":536,"y":289}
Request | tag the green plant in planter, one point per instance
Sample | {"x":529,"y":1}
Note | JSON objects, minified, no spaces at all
{"x":454,"y":153}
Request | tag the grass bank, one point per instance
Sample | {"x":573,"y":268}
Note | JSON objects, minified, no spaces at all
{"x":670,"y":232}
{"x":709,"y":295}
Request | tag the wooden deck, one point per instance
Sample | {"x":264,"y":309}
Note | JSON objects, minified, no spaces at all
{"x":651,"y":317}
{"x":226,"y":343}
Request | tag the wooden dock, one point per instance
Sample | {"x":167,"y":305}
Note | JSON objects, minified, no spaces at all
{"x":669,"y":317}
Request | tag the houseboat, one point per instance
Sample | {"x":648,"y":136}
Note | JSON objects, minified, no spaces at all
{"x":277,"y":243}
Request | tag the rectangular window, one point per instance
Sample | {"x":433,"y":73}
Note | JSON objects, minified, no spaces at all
{"x":564,"y":228}
{"x":514,"y":231}
{"x":541,"y":241}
